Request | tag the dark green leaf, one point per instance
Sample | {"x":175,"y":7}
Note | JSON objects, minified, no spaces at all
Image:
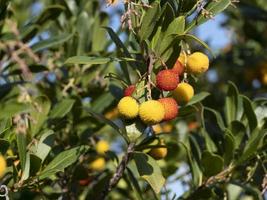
{"x":218,"y":117}
{"x":229,"y":147}
{"x":4,"y":145}
{"x":62,"y":108}
{"x":249,"y":113}
{"x":231,"y":103}
{"x":149,"y":21}
{"x":197,"y":98}
{"x":61,"y":161}
{"x":212,"y":164}
{"x":252,"y":145}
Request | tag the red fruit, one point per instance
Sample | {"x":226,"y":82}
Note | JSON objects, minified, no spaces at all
{"x":129,"y":90}
{"x":178,"y":68}
{"x":84,"y":182}
{"x":167,"y":80}
{"x":170,"y":107}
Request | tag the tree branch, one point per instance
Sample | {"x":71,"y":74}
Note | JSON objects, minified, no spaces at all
{"x":119,"y":171}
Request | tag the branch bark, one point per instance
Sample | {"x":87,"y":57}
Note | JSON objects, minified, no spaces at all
{"x":119,"y":171}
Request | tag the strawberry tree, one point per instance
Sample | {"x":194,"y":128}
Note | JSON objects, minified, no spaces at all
{"x":90,"y":112}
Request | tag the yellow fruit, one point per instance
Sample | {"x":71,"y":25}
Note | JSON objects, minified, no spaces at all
{"x":128,"y":107}
{"x":167,"y":127}
{"x":151,"y":112}
{"x":98,"y":164}
{"x":159,"y":152}
{"x":183,"y":93}
{"x":157,"y":128}
{"x":102,"y":147}
{"x":197,"y":63}
{"x":2,"y":166}
{"x":162,"y":128}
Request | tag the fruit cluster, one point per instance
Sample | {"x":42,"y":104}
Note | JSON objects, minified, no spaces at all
{"x":164,"y":109}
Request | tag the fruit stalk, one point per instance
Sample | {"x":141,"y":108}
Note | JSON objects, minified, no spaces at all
{"x":149,"y":71}
{"x":119,"y":171}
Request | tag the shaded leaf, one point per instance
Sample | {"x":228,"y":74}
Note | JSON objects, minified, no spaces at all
{"x":149,"y":170}
{"x":61,"y":161}
{"x":214,"y":168}
{"x":62,"y":108}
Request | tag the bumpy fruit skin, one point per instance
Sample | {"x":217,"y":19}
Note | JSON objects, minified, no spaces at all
{"x":2,"y":166}
{"x":129,"y":90}
{"x":170,"y":107}
{"x":98,"y":164}
{"x":159,"y":152}
{"x":167,"y":80}
{"x":102,"y":147}
{"x":183,"y":93}
{"x":128,"y":107}
{"x":151,"y":112}
{"x":197,"y":63}
{"x":178,"y":67}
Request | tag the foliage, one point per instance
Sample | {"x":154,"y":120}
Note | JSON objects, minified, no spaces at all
{"x":61,"y":79}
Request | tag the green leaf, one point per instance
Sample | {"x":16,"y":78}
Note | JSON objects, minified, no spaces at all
{"x":252,"y":145}
{"x":4,"y":145}
{"x":231,"y":103}
{"x":211,"y":163}
{"x":135,"y":130}
{"x":135,"y":184}
{"x":62,"y":108}
{"x":190,"y":36}
{"x":61,"y":161}
{"x":194,"y":168}
{"x":89,"y":60}
{"x":99,"y":35}
{"x":102,"y":119}
{"x":50,"y":13}
{"x":168,"y":42}
{"x":249,"y":113}
{"x":45,"y":144}
{"x":11,"y":108}
{"x":229,"y":147}
{"x":51,"y":42}
{"x":149,"y":170}
{"x":39,"y":114}
{"x":5,"y":124}
{"x":26,"y":169}
{"x":35,"y":163}
{"x":22,"y":149}
{"x":197,"y":98}
{"x":218,"y":117}
{"x":120,"y":46}
{"x":238,"y":130}
{"x":214,"y":7}
{"x":149,"y":21}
